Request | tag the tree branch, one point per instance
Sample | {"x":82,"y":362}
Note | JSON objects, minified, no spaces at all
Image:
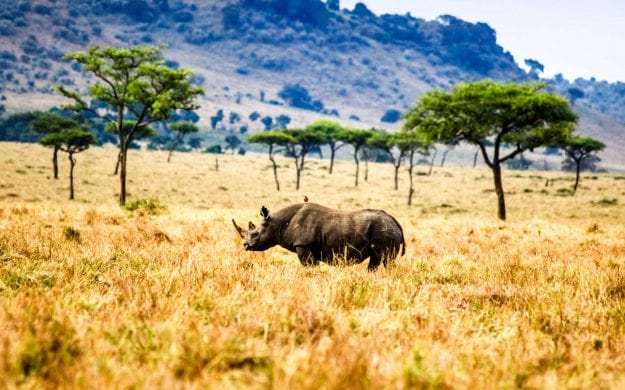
{"x":517,"y":151}
{"x":485,"y":154}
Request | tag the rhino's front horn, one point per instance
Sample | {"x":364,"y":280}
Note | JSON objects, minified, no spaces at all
{"x":239,"y":229}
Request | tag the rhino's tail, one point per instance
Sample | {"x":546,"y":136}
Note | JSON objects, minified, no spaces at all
{"x":403,"y":241}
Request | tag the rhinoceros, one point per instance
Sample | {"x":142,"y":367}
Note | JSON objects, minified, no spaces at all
{"x":317,"y":233}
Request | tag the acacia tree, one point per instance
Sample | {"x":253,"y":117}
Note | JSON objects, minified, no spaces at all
{"x":520,"y":116}
{"x":358,"y":140}
{"x":331,"y":130}
{"x":233,"y":142}
{"x":71,"y":141}
{"x":410,"y":143}
{"x":51,"y":123}
{"x":181,"y":129}
{"x":387,"y":143}
{"x":134,"y":85}
{"x":277,"y":141}
{"x":301,"y":142}
{"x":580,"y":149}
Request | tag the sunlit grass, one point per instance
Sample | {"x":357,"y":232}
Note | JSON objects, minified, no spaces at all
{"x":163,"y":295}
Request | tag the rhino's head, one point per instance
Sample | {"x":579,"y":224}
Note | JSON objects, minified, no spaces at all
{"x":259,"y":238}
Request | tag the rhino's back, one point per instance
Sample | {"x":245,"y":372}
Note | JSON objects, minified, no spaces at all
{"x":332,"y":231}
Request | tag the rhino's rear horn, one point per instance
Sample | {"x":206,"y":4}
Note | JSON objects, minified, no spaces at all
{"x":239,"y":229}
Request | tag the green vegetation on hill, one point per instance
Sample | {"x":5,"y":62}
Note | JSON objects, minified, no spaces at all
{"x":275,"y":58}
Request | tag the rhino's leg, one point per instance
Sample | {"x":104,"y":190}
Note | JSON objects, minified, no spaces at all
{"x":306,"y":256}
{"x":374,"y":262}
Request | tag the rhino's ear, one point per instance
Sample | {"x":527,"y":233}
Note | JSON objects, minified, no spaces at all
{"x":264,"y":212}
{"x":251,"y":226}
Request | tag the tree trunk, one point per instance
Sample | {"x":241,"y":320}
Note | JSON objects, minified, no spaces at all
{"x":444,"y":157}
{"x":475,"y":158}
{"x":177,"y":142}
{"x":72,"y":163}
{"x":275,"y":170}
{"x":332,"y":153}
{"x":55,"y":162}
{"x":432,"y":162}
{"x":578,"y":168}
{"x":501,"y":202}
{"x":357,"y":167}
{"x":122,"y":173}
{"x":118,"y":163}
{"x":365,"y":154}
{"x":397,"y":175}
{"x":411,"y":189}
{"x":216,"y":164}
{"x":297,"y":173}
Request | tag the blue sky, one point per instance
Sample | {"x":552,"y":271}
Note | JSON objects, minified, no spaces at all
{"x":578,"y":38}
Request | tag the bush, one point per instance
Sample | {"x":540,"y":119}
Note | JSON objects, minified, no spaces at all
{"x":6,"y":28}
{"x":31,"y":46}
{"x":71,"y":234}
{"x":231,"y":17}
{"x":296,"y":95}
{"x":197,"y":79}
{"x":7,"y":55}
{"x":183,"y":17}
{"x":391,"y":116}
{"x":172,"y":64}
{"x":42,"y":9}
{"x":214,"y":149}
{"x":55,"y":53}
{"x":146,"y":206}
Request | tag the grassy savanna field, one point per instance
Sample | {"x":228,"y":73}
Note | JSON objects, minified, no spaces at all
{"x":92,"y":295}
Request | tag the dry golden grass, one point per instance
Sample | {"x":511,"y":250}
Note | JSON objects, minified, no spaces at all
{"x":94,"y":296}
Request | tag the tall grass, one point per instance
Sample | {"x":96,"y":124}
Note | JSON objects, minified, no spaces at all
{"x":92,"y":295}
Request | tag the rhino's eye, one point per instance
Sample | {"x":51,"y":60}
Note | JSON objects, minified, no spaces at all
{"x":254,"y":235}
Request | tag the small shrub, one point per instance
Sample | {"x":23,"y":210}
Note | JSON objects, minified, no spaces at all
{"x":42,"y":9}
{"x":146,"y":206}
{"x":183,"y":17}
{"x":391,"y":116}
{"x":71,"y":234}
{"x":298,"y":96}
{"x":594,"y":228}
{"x":49,"y":351}
{"x":607,"y":202}
{"x":214,"y":149}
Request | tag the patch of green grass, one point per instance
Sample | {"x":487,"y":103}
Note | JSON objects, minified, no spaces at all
{"x":71,"y":234}
{"x":48,"y":350}
{"x":146,"y":206}
{"x":606,"y":202}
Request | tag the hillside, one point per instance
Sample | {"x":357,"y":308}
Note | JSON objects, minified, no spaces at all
{"x":349,"y":64}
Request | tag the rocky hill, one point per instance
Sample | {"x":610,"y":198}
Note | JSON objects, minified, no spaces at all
{"x":287,"y":60}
